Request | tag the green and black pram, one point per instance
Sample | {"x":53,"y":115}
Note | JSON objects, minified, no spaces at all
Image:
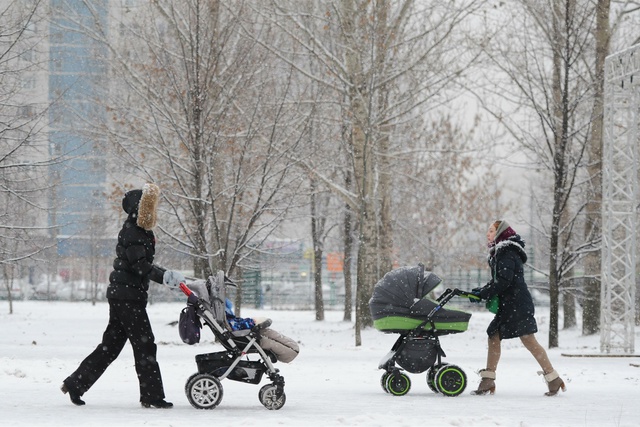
{"x":400,"y":304}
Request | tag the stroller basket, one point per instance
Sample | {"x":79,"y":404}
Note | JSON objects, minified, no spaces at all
{"x":218,"y":363}
{"x":417,"y":354}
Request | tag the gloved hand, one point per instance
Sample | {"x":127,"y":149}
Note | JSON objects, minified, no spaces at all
{"x":475,"y":295}
{"x":173,"y":278}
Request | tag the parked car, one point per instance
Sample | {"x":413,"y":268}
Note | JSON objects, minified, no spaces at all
{"x":16,"y":292}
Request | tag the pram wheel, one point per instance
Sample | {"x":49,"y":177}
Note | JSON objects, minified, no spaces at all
{"x":398,"y":384}
{"x":268,"y":396}
{"x":383,"y":381}
{"x":450,"y":380}
{"x":431,"y":379}
{"x":204,"y":391}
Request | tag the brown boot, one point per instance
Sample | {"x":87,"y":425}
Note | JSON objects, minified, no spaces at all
{"x":554,"y":382}
{"x":487,"y":384}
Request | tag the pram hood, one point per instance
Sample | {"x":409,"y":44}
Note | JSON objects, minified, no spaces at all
{"x":400,"y":301}
{"x":402,"y":292}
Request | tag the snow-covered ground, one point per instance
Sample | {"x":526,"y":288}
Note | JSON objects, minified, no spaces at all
{"x":331,"y":383}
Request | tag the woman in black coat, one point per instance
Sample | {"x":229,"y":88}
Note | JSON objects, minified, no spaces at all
{"x":515,"y":317}
{"x":133,"y":269}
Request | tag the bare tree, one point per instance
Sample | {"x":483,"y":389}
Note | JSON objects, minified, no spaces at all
{"x":593,"y":226}
{"x":24,"y":158}
{"x":384,"y":61}
{"x":442,"y":195}
{"x":200,"y":109}
{"x":547,"y":61}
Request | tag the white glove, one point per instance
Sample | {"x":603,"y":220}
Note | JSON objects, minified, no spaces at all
{"x":173,"y":278}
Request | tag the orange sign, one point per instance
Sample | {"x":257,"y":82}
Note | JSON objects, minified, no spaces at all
{"x":334,"y":262}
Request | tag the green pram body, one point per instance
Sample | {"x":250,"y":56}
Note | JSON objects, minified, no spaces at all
{"x":401,"y":302}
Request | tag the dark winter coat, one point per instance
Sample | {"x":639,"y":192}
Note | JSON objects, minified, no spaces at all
{"x":516,"y":312}
{"x":133,"y":266}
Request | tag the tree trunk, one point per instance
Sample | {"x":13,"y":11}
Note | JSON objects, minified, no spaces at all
{"x":593,"y":229}
{"x":363,"y":171}
{"x":348,"y":249}
{"x":560,"y":145}
{"x":569,"y":309}
{"x":238,"y":299}
{"x":568,"y":286}
{"x":316,"y":231}
{"x":382,"y":152}
{"x":317,"y":280}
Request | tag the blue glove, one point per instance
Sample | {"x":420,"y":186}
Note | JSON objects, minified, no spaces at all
{"x":172,"y":278}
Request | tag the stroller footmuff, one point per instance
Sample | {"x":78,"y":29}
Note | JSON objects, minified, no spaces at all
{"x":400,"y":304}
{"x":244,"y":358}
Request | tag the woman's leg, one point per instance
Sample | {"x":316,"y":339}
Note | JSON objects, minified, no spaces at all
{"x":134,"y":318}
{"x":94,"y":365}
{"x":534,"y":347}
{"x":493,"y":353}
{"x":488,"y":375}
{"x":554,"y":382}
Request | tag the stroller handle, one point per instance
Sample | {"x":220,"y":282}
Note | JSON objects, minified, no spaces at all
{"x":450,"y":293}
{"x":192,"y":297}
{"x":185,"y":290}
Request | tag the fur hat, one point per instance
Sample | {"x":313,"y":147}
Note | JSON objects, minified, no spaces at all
{"x":143,"y":205}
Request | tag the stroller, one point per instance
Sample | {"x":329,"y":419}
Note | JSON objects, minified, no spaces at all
{"x":206,"y":302}
{"x":400,"y":304}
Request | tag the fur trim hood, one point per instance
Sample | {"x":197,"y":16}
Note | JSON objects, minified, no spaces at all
{"x":514,"y":243}
{"x":142,"y":205}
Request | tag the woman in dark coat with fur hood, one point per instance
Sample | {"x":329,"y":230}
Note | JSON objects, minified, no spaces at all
{"x":515,"y":317}
{"x":133,"y":269}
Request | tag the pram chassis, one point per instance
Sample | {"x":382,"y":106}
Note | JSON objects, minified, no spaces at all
{"x":204,"y":389}
{"x":443,"y":378}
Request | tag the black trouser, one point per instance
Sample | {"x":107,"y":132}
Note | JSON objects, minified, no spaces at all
{"x":127,"y":320}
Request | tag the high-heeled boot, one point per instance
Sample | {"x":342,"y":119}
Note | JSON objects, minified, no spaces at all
{"x":487,"y":383}
{"x":554,"y":382}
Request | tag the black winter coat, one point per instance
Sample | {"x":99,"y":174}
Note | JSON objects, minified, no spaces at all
{"x":516,"y":312}
{"x":133,"y":266}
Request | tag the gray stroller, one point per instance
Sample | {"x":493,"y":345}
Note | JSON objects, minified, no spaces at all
{"x":244,"y":359}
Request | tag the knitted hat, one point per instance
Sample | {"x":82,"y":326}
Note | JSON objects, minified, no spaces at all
{"x":503,"y":231}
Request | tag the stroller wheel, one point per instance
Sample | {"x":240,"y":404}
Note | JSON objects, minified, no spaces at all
{"x":398,"y":384}
{"x":431,"y":379}
{"x":268,"y":396}
{"x":450,"y":380}
{"x":203,"y":391}
{"x":383,"y":381}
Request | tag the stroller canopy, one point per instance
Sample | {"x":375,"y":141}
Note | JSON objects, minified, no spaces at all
{"x":400,"y":302}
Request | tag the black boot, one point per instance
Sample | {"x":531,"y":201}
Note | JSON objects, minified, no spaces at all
{"x":75,"y":398}
{"x":160,"y":403}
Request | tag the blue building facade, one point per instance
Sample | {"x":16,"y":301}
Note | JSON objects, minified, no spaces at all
{"x":77,"y":88}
